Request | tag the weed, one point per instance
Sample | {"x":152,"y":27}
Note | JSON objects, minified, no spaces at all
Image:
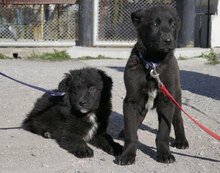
{"x":98,"y":57}
{"x":211,"y":57}
{"x":4,"y":56}
{"x":182,"y":58}
{"x":56,"y":56}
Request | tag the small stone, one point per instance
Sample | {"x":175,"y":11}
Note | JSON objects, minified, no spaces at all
{"x":47,"y":135}
{"x":102,"y":159}
{"x":45,"y":165}
{"x":34,"y":155}
{"x":201,"y":153}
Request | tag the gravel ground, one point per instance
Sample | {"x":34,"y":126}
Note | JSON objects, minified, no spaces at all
{"x":21,"y":151}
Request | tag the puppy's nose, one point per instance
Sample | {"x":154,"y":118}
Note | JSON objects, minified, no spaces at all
{"x":167,"y":40}
{"x":82,"y":103}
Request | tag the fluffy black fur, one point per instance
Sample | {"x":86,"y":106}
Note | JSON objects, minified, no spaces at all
{"x":157,"y":29}
{"x":80,"y":116}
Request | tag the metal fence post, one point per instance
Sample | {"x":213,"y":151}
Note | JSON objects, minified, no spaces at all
{"x":42,"y":22}
{"x":85,"y":23}
{"x":186,"y":10}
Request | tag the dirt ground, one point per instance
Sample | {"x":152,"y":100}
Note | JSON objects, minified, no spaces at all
{"x":24,"y":152}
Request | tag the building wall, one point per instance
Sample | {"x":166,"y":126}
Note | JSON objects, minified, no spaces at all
{"x":215,"y":32}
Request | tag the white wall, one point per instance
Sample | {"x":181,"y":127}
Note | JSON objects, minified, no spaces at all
{"x":215,"y":29}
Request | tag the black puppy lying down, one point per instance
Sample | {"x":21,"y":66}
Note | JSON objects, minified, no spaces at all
{"x":80,"y":116}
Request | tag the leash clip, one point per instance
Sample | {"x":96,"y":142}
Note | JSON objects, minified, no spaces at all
{"x":155,"y":75}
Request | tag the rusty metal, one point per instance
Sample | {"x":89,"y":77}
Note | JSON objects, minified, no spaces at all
{"x":37,"y":1}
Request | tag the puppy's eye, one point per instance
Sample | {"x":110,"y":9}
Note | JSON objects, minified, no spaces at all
{"x":92,"y":89}
{"x":173,"y":25}
{"x":155,"y":25}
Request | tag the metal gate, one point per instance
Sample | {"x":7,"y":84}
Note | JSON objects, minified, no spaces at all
{"x":112,"y":23}
{"x":204,"y":10}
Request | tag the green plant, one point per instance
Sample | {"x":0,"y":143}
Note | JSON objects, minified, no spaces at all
{"x":4,"y":56}
{"x":211,"y":57}
{"x":182,"y":58}
{"x":56,"y":56}
{"x":98,"y":57}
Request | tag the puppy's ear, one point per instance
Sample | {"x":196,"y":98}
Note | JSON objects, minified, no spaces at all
{"x":136,"y":17}
{"x":64,"y":85}
{"x":107,"y":83}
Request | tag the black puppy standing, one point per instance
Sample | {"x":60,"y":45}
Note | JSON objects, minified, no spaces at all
{"x":157,"y":29}
{"x":80,"y":116}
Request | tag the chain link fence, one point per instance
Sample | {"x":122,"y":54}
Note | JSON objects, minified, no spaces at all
{"x":60,"y":22}
{"x":113,"y":20}
{"x":29,"y":23}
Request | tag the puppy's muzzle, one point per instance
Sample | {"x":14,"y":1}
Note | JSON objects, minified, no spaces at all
{"x":167,"y":38}
{"x":82,"y":103}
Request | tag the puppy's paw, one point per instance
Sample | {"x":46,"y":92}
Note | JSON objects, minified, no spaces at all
{"x":126,"y":159}
{"x":117,"y":149}
{"x":108,"y":149}
{"x":165,"y":158}
{"x":181,"y":144}
{"x":83,"y":152}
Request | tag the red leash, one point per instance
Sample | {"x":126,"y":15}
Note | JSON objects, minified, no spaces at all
{"x":166,"y":93}
{"x":162,"y":87}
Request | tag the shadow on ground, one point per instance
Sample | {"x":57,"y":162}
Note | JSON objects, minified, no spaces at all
{"x":201,"y":84}
{"x":198,"y":83}
{"x":116,"y":125}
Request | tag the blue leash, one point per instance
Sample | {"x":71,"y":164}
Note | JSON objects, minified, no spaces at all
{"x":51,"y":93}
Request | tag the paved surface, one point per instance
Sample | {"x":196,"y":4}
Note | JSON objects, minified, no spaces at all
{"x":24,"y":152}
{"x":76,"y":51}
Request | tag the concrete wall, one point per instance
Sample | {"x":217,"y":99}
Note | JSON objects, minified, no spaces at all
{"x":215,"y":29}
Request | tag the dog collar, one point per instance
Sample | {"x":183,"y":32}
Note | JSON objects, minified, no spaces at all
{"x":148,"y":64}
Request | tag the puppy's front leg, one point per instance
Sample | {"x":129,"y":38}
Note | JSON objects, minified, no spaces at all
{"x":76,"y":145}
{"x":165,"y":115}
{"x":107,"y":144}
{"x":180,"y":140}
{"x":131,"y":122}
